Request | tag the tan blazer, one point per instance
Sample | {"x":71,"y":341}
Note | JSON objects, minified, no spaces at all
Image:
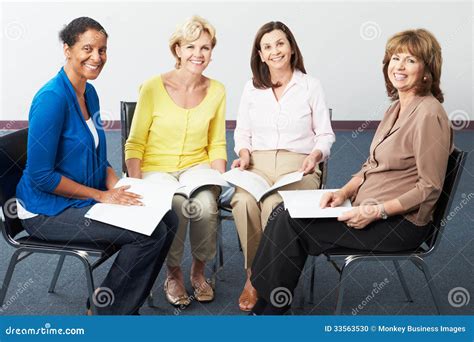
{"x":408,"y":159}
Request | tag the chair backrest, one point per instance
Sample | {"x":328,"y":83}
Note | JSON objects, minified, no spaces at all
{"x":127,"y":109}
{"x":12,"y":164}
{"x":443,"y":205}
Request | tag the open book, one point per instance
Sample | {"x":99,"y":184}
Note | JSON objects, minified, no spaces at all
{"x":157,"y":193}
{"x":305,"y":204}
{"x":256,"y":185}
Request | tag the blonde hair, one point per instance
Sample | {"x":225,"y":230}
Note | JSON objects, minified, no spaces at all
{"x":190,"y":31}
{"x":422,"y":44}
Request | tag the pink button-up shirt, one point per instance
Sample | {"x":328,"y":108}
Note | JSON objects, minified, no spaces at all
{"x":299,"y":122}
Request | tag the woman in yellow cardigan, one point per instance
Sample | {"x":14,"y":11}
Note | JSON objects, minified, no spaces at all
{"x":179,"y":124}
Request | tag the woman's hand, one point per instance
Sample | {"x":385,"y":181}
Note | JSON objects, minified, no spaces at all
{"x":311,"y":161}
{"x":243,"y":162}
{"x":119,"y":196}
{"x":333,"y":199}
{"x":360,"y":217}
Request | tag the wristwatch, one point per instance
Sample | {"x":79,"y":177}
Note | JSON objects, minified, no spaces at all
{"x":383,"y":213}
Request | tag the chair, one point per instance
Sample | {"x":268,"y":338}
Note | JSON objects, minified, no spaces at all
{"x":350,"y":257}
{"x":127,"y":110}
{"x":12,"y":163}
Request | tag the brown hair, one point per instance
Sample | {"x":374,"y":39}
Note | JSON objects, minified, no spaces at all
{"x":190,"y":31}
{"x":260,"y":71}
{"x":423,"y":45}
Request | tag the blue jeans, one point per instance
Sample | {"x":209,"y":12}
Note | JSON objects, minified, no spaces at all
{"x":137,"y":264}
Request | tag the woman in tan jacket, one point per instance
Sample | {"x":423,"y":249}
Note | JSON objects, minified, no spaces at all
{"x":393,"y":195}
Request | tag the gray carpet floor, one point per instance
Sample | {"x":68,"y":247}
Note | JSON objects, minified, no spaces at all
{"x":451,"y":265}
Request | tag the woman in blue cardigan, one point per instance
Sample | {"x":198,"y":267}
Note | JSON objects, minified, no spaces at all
{"x":67,"y":172}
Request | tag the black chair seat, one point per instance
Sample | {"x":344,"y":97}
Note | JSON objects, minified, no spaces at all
{"x":12,"y":162}
{"x":341,"y":251}
{"x":96,"y":248}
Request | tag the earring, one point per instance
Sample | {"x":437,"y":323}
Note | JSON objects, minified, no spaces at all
{"x":425,"y":79}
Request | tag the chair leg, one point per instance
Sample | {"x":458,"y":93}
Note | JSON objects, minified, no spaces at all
{"x":151,"y":300}
{"x":56,"y":273}
{"x":312,"y":294}
{"x":430,"y":281}
{"x":90,"y":282}
{"x":8,"y":275}
{"x":402,"y":281}
{"x":341,"y":287}
{"x":219,"y":258}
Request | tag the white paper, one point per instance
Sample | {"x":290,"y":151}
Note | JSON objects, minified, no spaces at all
{"x":256,"y":185}
{"x":306,"y":204}
{"x":194,"y":179}
{"x":157,"y":198}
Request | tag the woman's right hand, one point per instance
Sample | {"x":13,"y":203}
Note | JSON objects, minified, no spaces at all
{"x":119,"y":196}
{"x":242,"y":163}
{"x":333,"y":199}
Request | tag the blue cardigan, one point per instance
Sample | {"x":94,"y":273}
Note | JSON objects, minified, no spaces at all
{"x":61,"y":144}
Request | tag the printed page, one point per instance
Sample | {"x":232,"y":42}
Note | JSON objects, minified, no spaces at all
{"x":194,"y":179}
{"x":157,"y":199}
{"x":305,"y":204}
{"x":256,"y":185}
{"x":286,"y":179}
{"x":249,"y":181}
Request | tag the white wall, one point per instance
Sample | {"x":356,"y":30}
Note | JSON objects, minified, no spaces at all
{"x":335,"y":46}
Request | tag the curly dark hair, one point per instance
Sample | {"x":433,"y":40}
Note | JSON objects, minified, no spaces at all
{"x":71,"y":32}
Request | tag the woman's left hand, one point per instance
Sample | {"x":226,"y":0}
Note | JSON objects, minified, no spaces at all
{"x":310,"y":162}
{"x":360,"y":217}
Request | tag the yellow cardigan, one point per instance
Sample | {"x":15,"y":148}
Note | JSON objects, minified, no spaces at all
{"x":170,"y":138}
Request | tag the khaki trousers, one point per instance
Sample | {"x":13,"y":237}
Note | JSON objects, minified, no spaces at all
{"x":251,"y":216}
{"x":200,"y":212}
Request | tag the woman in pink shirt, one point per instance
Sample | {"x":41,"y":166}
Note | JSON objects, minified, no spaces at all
{"x":283,"y":125}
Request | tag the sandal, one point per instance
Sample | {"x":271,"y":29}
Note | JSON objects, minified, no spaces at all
{"x":203,"y":293}
{"x":247,"y":299}
{"x":179,"y":301}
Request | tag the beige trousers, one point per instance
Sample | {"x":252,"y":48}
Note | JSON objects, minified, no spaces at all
{"x":200,"y":212}
{"x":251,"y":216}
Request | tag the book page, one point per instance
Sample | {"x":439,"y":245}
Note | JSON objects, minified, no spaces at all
{"x":194,"y":179}
{"x":255,"y":184}
{"x":287,"y":179}
{"x":249,"y":181}
{"x":305,"y":204}
{"x":157,"y":198}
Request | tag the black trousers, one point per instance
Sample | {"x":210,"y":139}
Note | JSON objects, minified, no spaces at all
{"x":287,"y":242}
{"x":134,"y":270}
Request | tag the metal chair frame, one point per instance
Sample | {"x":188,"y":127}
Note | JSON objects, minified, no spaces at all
{"x":13,"y":160}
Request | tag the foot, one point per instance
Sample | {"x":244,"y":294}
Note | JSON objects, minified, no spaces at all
{"x":203,"y":291}
{"x":248,"y":298}
{"x":174,"y":288}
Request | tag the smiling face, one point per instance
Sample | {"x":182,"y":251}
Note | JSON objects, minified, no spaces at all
{"x":405,"y":72}
{"x":275,"y":50}
{"x":86,"y":58}
{"x":195,"y":56}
